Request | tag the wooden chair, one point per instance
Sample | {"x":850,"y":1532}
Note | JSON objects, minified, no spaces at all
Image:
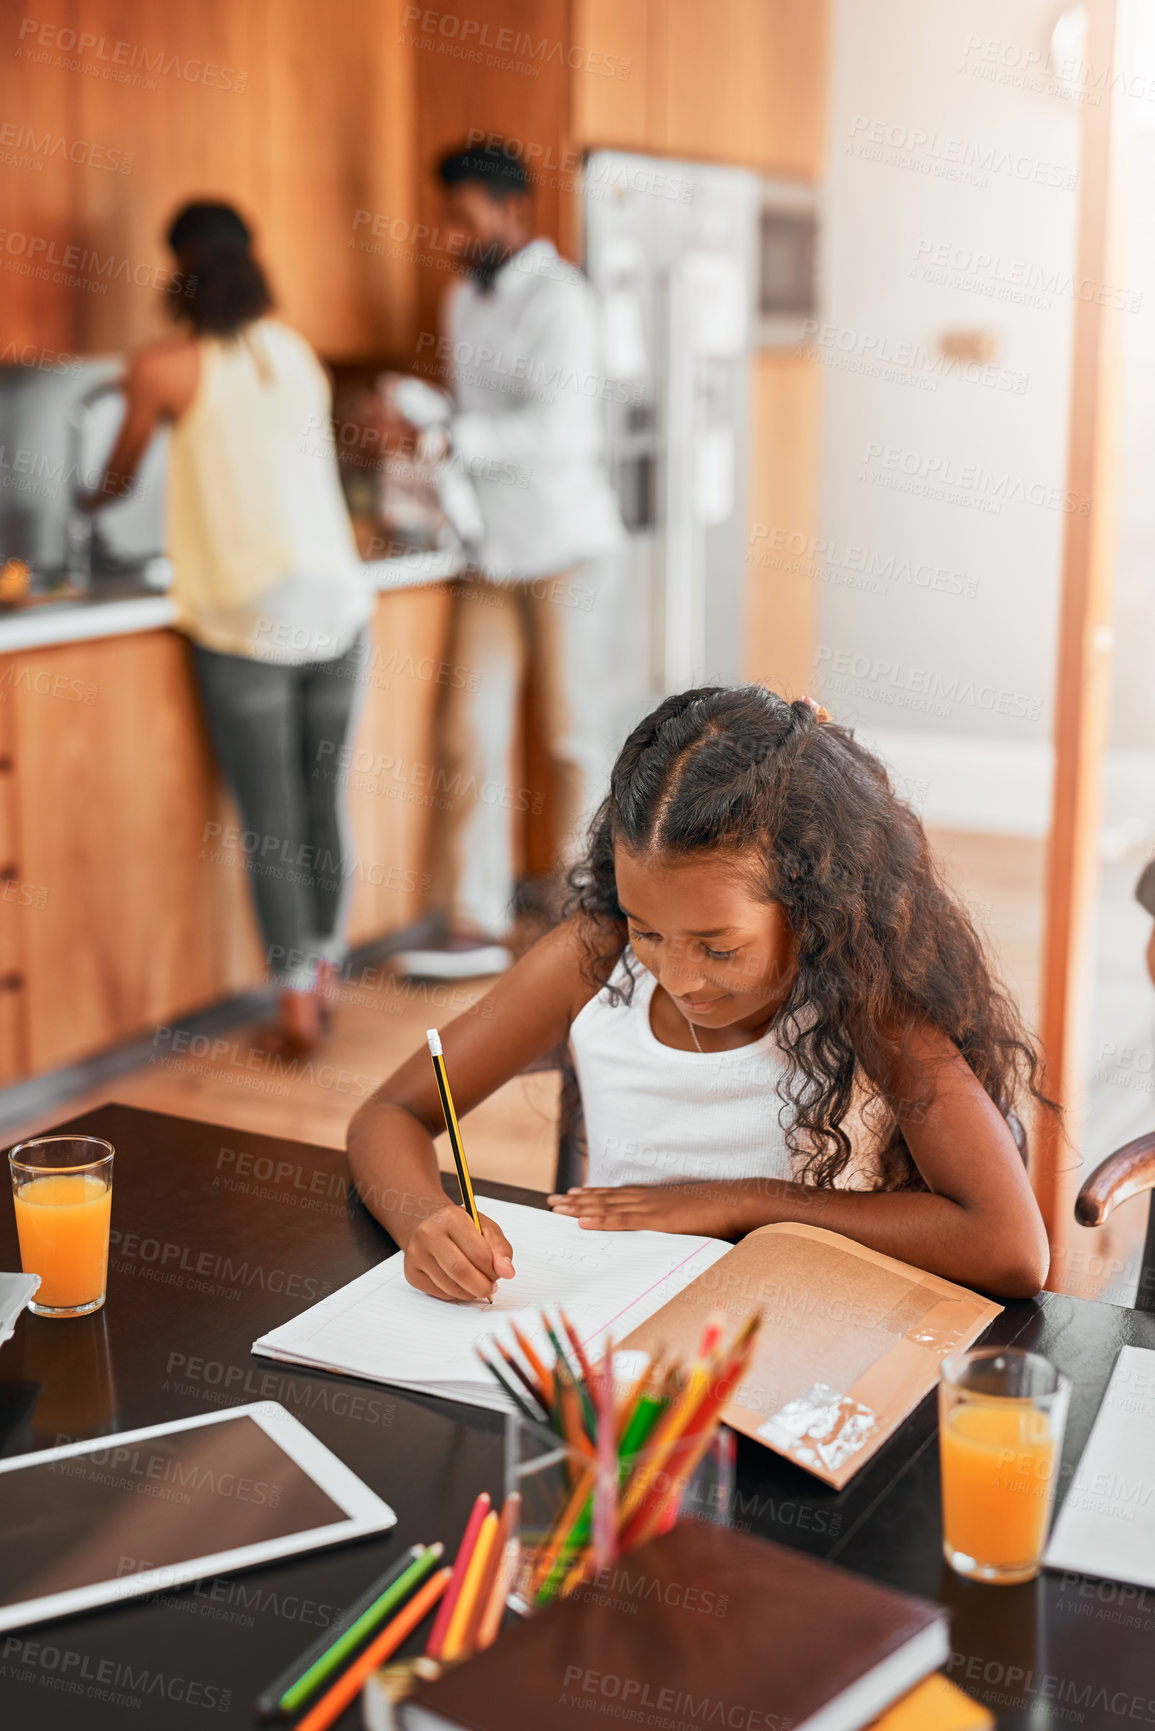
{"x":1127,"y":1172}
{"x":571,"y":1124}
{"x":571,"y":1130}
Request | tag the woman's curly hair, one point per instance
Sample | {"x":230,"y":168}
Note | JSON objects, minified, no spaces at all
{"x":881,"y":941}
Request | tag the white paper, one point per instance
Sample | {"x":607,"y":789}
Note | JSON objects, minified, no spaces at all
{"x":382,"y":1328}
{"x":1106,"y":1526}
{"x":15,"y":1291}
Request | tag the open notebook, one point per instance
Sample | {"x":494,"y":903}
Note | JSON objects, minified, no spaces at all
{"x":381,"y":1328}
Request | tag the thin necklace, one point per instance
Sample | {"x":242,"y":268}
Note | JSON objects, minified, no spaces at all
{"x":698,"y":1043}
{"x":694,"y":1035}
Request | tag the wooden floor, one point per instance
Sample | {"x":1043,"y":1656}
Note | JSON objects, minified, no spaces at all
{"x":225,"y":1080}
{"x":511,"y":1137}
{"x":1000,"y":878}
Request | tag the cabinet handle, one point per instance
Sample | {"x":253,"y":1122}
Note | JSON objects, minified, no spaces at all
{"x":6,"y":763}
{"x":11,"y":982}
{"x":8,"y":873}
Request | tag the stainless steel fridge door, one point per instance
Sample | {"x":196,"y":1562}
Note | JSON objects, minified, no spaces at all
{"x":671,"y":248}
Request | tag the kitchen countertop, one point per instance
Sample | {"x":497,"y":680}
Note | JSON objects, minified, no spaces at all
{"x":118,"y":614}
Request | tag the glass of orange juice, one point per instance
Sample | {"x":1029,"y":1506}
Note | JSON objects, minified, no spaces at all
{"x":1001,"y":1414}
{"x":62,"y":1188}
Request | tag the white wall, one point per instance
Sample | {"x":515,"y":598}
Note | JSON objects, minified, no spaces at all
{"x":943,"y":165}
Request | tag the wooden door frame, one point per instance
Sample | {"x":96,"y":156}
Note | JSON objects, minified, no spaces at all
{"x":1082,"y":671}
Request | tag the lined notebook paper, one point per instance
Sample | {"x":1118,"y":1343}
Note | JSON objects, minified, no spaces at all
{"x":382,"y":1328}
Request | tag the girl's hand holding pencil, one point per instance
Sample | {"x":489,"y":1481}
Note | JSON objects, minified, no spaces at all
{"x":449,"y":1258}
{"x":456,"y":1253}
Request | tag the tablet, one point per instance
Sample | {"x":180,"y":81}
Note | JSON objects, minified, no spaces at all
{"x":96,"y":1522}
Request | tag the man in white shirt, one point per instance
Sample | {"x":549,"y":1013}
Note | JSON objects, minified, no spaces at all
{"x":521,"y":349}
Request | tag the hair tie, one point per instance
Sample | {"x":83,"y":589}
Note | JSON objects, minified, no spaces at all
{"x":821,"y":713}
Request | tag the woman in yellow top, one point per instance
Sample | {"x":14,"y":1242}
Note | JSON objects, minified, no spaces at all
{"x":267,"y":582}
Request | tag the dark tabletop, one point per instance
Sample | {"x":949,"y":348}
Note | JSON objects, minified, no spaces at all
{"x":219,"y":1236}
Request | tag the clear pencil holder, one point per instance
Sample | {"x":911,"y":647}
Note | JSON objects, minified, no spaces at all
{"x":576,"y":1519}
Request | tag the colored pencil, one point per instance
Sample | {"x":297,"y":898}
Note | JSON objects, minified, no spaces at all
{"x":486,"y":1580}
{"x":711,"y":1334}
{"x":561,"y":1357}
{"x":628,"y":1404}
{"x":345,"y":1645}
{"x":570,"y":1406}
{"x":648,"y":1405}
{"x":584,"y":1364}
{"x":574,"y":1379}
{"x":685,"y":1447}
{"x":451,"y":1124}
{"x":573,"y":1529}
{"x":535,"y":1364}
{"x":454,"y":1645}
{"x":345,"y":1690}
{"x":606,"y":1492}
{"x":627,"y":1458}
{"x":523,"y":1376}
{"x":572,"y":1539}
{"x":461,"y":1564}
{"x":269,"y":1701}
{"x":673,"y":1421}
{"x":522,"y":1406}
{"x":507,"y":1547}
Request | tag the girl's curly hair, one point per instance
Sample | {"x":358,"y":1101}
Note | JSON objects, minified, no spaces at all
{"x":881,"y":940}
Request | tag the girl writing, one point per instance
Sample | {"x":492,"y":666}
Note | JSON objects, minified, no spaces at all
{"x":758,"y":957}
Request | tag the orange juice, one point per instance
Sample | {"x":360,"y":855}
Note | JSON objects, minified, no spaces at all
{"x":63,"y":1226}
{"x":998,"y":1470}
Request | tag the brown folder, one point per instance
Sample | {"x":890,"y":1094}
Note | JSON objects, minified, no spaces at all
{"x":700,"y":1629}
{"x":850,"y":1342}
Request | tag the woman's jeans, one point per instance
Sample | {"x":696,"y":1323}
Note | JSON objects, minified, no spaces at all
{"x":278,"y":732}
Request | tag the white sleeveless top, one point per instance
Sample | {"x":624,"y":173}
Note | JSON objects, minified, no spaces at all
{"x":264,"y":561}
{"x":654,"y":1114}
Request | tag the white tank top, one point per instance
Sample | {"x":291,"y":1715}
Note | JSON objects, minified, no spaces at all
{"x":264,"y":561}
{"x":654,"y":1114}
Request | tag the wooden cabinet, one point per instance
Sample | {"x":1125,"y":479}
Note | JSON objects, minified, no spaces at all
{"x":13,"y":898}
{"x":300,"y":114}
{"x":116,"y":799}
{"x":783,"y":569}
{"x":122,"y":903}
{"x":391,"y":776}
{"x":323,"y":124}
{"x":738,"y":81}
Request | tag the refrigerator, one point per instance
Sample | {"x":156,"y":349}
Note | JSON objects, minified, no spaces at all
{"x":695,"y":266}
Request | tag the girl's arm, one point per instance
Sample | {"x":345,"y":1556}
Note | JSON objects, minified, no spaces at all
{"x":980,"y":1223}
{"x":391,"y":1137}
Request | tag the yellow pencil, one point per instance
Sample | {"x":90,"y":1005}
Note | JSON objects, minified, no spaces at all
{"x":454,"y":1645}
{"x":451,"y":1124}
{"x":507,"y":1544}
